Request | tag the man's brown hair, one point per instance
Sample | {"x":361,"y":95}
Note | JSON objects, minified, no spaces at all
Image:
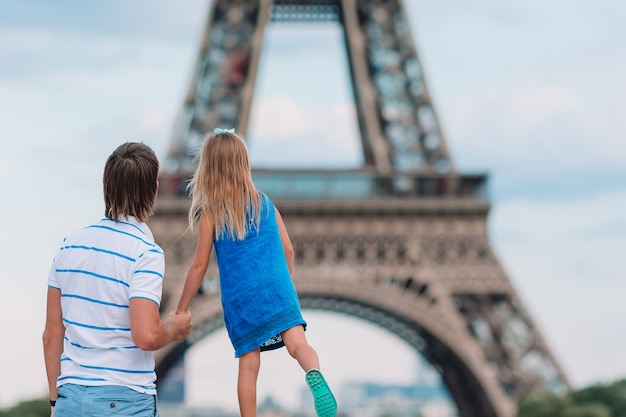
{"x":130,"y":182}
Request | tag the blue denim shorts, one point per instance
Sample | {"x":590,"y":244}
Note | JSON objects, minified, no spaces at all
{"x":109,"y":400}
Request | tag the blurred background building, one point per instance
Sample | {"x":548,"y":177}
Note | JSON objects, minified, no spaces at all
{"x":400,"y":241}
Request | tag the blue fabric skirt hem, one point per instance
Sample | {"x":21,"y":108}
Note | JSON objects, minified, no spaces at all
{"x":268,"y":342}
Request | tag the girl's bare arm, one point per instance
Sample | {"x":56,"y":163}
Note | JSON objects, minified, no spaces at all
{"x":200,"y":262}
{"x":287,"y":246}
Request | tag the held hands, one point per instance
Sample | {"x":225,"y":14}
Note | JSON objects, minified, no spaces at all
{"x":181,"y":323}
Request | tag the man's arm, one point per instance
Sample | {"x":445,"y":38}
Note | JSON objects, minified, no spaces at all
{"x":53,"y":339}
{"x":149,"y":332}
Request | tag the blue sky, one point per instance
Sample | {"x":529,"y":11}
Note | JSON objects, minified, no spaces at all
{"x":528,"y":92}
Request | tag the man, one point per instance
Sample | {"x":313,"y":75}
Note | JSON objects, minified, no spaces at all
{"x":104,"y":291}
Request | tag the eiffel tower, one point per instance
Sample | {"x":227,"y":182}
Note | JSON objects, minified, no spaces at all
{"x":400,"y":242}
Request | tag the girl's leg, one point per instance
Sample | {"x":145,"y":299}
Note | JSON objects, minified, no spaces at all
{"x":299,"y":348}
{"x":249,"y":364}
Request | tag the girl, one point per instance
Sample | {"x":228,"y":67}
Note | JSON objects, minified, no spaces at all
{"x":255,"y":260}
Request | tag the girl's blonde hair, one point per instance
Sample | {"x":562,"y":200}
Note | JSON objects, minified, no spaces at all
{"x":222,"y":184}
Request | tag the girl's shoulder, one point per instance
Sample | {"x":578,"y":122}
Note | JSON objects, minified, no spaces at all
{"x":266,"y":206}
{"x":265,"y":199}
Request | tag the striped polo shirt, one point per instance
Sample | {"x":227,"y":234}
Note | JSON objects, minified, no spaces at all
{"x":98,"y":270}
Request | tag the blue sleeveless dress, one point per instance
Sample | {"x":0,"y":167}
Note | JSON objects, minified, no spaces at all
{"x":258,"y":297}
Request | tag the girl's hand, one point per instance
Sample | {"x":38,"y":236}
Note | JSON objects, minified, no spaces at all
{"x":181,"y":323}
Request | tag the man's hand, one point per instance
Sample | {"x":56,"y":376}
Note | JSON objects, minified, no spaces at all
{"x":149,"y":331}
{"x":181,"y":323}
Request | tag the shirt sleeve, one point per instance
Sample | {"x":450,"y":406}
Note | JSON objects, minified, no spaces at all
{"x":147,"y":276}
{"x":52,"y":276}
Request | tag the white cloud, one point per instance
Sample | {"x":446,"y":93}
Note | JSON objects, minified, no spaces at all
{"x":16,"y":41}
{"x":289,"y":134}
{"x":548,"y":127}
{"x":540,"y":104}
{"x":558,"y":91}
{"x":279,"y":119}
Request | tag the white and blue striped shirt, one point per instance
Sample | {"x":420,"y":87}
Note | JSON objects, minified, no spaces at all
{"x":98,"y":270}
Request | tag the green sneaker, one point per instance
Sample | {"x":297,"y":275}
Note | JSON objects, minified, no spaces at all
{"x":325,"y":404}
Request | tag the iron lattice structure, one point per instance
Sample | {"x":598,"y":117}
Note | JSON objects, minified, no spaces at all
{"x":401,"y":242}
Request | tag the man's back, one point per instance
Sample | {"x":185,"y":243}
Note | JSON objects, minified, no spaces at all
{"x":98,"y":270}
